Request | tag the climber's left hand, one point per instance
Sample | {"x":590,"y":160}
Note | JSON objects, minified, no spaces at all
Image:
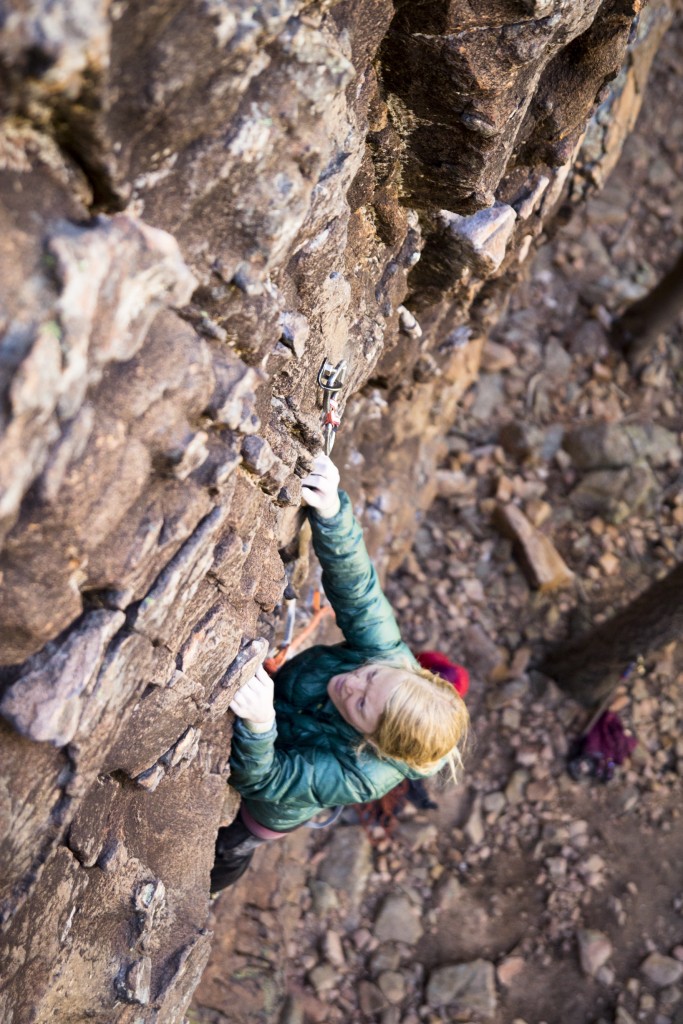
{"x":253,"y":702}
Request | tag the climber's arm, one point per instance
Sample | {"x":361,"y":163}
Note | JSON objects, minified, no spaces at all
{"x":363,"y":613}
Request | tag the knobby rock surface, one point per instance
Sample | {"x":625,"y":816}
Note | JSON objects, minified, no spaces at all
{"x":199,"y":202}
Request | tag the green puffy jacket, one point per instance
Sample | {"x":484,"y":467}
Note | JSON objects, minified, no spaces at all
{"x":310,"y":760}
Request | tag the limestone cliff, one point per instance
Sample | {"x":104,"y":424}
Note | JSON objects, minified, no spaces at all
{"x":199,"y":201}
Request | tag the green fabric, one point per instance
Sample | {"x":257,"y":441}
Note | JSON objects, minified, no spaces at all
{"x":310,"y":760}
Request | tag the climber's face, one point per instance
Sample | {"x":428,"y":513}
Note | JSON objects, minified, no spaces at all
{"x":361,"y":696}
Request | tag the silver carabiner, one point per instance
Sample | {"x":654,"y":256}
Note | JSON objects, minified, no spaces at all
{"x":331,"y":381}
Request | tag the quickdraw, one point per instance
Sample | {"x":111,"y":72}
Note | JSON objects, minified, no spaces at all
{"x":331,"y":381}
{"x":271,"y":665}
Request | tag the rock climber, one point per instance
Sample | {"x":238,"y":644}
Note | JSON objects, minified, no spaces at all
{"x":340,"y":724}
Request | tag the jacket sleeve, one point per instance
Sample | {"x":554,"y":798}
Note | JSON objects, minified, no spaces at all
{"x":363,"y":613}
{"x":260,"y":771}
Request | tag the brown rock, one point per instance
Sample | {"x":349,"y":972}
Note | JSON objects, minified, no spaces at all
{"x":544,"y":566}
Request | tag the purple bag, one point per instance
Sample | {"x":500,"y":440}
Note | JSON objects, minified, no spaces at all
{"x":601,"y":749}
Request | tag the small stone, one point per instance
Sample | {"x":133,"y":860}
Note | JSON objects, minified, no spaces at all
{"x":540,"y":791}
{"x":324,"y":897}
{"x":661,"y":970}
{"x":449,"y":894}
{"x":323,"y":978}
{"x":332,"y":948}
{"x":418,"y":835}
{"x":508,"y":969}
{"x":515,"y":789}
{"x":511,"y":719}
{"x":595,"y":949}
{"x":474,"y":829}
{"x":393,"y":986}
{"x":605,"y":975}
{"x":362,"y":937}
{"x":347,"y":864}
{"x":370,"y":998}
{"x":592,"y":865}
{"x":616,"y":445}
{"x":392,"y":1015}
{"x":495,"y":357}
{"x":398,"y":918}
{"x":507,"y":694}
{"x":557,"y":868}
{"x":467,"y":989}
{"x":609,"y":563}
{"x":623,"y":1016}
{"x":386,"y":958}
{"x":493,"y":804}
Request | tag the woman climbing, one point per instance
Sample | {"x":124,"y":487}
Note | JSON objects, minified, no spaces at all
{"x":340,"y":724}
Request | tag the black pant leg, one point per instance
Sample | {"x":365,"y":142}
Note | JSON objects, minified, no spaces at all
{"x":235,"y":847}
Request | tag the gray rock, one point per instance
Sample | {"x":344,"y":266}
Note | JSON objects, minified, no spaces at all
{"x":514,"y":791}
{"x":398,"y":918}
{"x":493,"y":804}
{"x":613,"y":494}
{"x":371,"y":999}
{"x":46,"y":702}
{"x":392,"y":985}
{"x":483,"y":237}
{"x":448,"y":893}
{"x":165,"y":604}
{"x":661,"y":970}
{"x":386,"y":958}
{"x":347,"y":864}
{"x":136,"y":984}
{"x":474,"y":827}
{"x":466,"y":989}
{"x":323,"y":978}
{"x":488,"y":396}
{"x":324,"y":897}
{"x":595,"y":949}
{"x":417,"y":835}
{"x":617,"y":445}
{"x":295,"y":332}
{"x":558,"y":361}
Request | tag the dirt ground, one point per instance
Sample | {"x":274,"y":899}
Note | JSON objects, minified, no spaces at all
{"x":550,"y":900}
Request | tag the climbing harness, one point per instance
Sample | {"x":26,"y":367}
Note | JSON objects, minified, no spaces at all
{"x":331,"y":380}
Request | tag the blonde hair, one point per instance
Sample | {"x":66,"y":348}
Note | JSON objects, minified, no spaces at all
{"x":424,"y":723}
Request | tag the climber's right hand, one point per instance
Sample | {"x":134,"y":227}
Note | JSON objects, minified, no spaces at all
{"x":319,"y":488}
{"x":253,"y":702}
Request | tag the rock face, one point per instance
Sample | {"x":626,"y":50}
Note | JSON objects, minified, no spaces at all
{"x":199,"y":202}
